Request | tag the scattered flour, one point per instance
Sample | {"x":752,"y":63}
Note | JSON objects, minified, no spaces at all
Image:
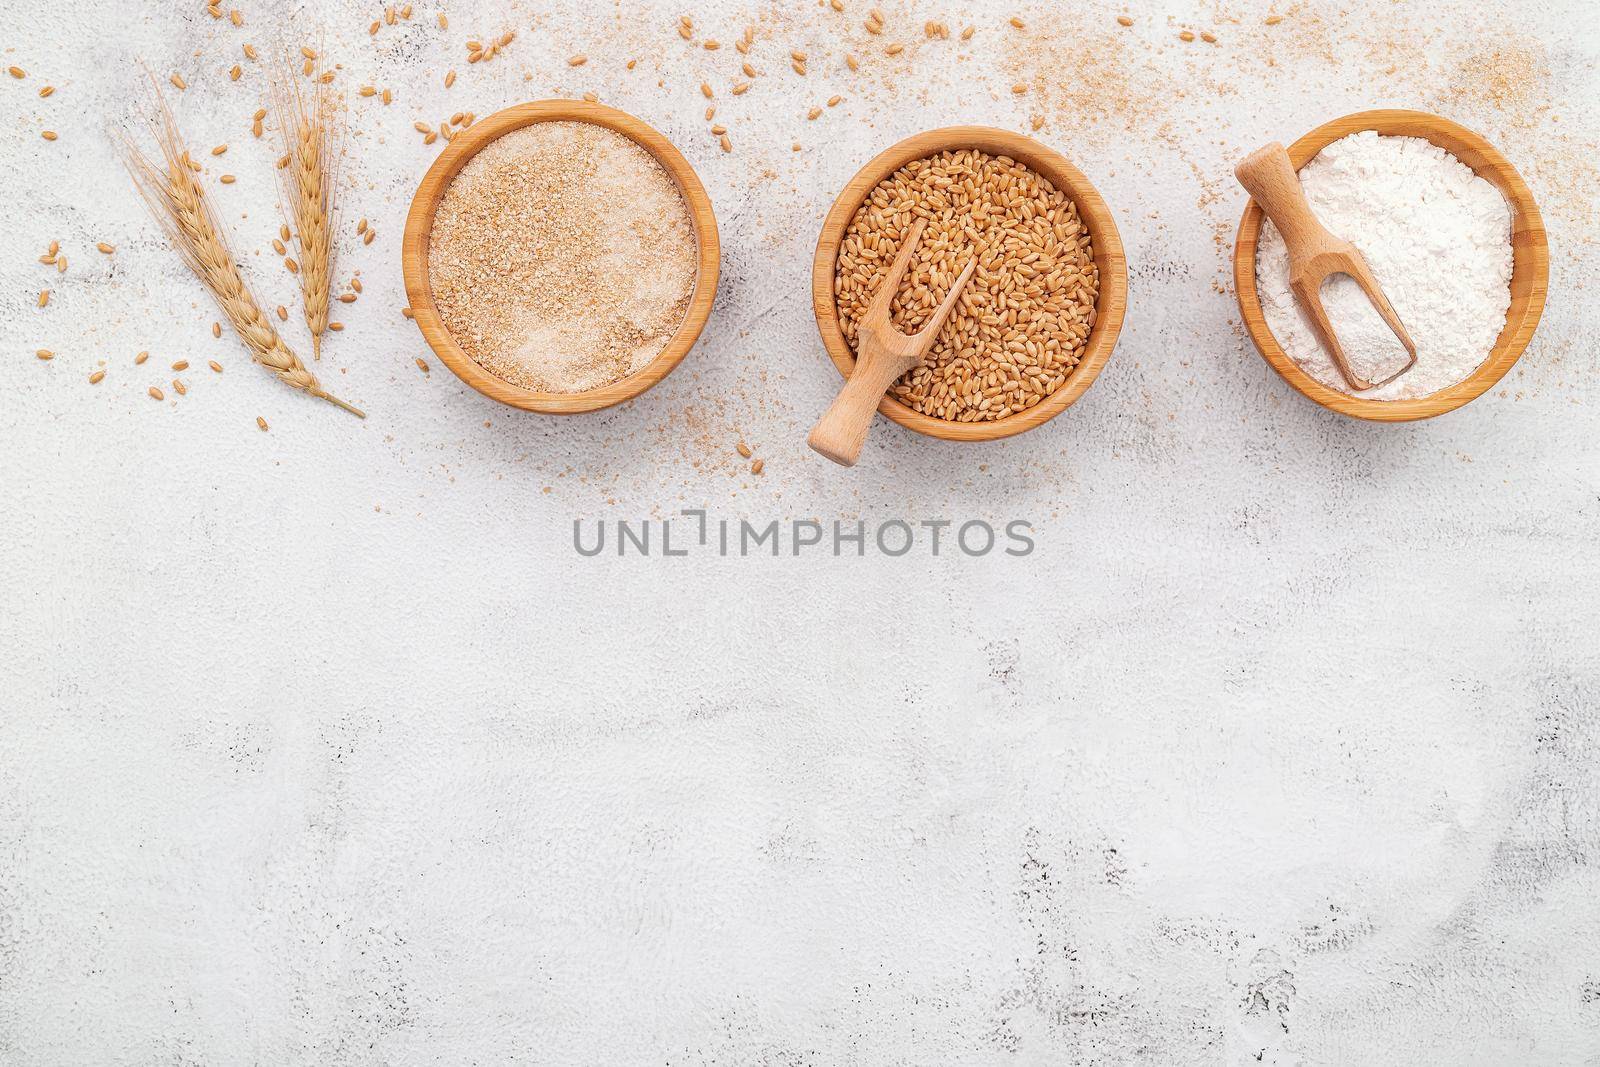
{"x":1438,"y":240}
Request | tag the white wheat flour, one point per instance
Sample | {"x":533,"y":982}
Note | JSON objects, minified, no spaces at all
{"x":1438,"y":240}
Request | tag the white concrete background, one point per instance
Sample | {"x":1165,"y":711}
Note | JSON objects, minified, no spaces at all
{"x":322,"y":746}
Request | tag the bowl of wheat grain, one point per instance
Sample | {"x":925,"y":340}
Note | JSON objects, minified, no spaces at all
{"x":1040,"y":315}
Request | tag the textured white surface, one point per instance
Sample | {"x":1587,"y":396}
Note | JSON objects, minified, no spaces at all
{"x":322,"y":746}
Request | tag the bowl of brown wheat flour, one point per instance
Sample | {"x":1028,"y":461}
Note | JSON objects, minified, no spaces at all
{"x":561,"y":256}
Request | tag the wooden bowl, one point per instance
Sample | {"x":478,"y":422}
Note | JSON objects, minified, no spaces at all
{"x":1530,"y":271}
{"x":1108,"y":257}
{"x":419,"y":224}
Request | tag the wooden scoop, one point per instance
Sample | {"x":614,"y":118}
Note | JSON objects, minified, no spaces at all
{"x":883,"y":353}
{"x":1315,"y":254}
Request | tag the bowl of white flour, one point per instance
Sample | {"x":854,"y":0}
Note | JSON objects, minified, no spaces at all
{"x":1453,"y":236}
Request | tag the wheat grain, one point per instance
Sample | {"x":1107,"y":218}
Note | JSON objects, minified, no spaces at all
{"x":1021,"y":324}
{"x":179,"y":205}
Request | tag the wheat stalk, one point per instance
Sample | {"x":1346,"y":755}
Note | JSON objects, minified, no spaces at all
{"x":172,"y":191}
{"x":309,"y":133}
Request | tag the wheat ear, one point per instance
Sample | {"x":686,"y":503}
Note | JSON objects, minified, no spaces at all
{"x":309,"y":132}
{"x":172,"y":191}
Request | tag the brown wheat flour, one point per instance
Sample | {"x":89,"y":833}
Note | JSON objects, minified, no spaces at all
{"x":562,"y":257}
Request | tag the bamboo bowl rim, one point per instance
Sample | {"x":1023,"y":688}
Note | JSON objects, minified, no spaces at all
{"x":1110,"y":306}
{"x":419,"y":226}
{"x":1530,"y":274}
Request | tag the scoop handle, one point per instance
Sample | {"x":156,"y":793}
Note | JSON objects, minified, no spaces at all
{"x":842,"y":430}
{"x":1268,"y":176}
